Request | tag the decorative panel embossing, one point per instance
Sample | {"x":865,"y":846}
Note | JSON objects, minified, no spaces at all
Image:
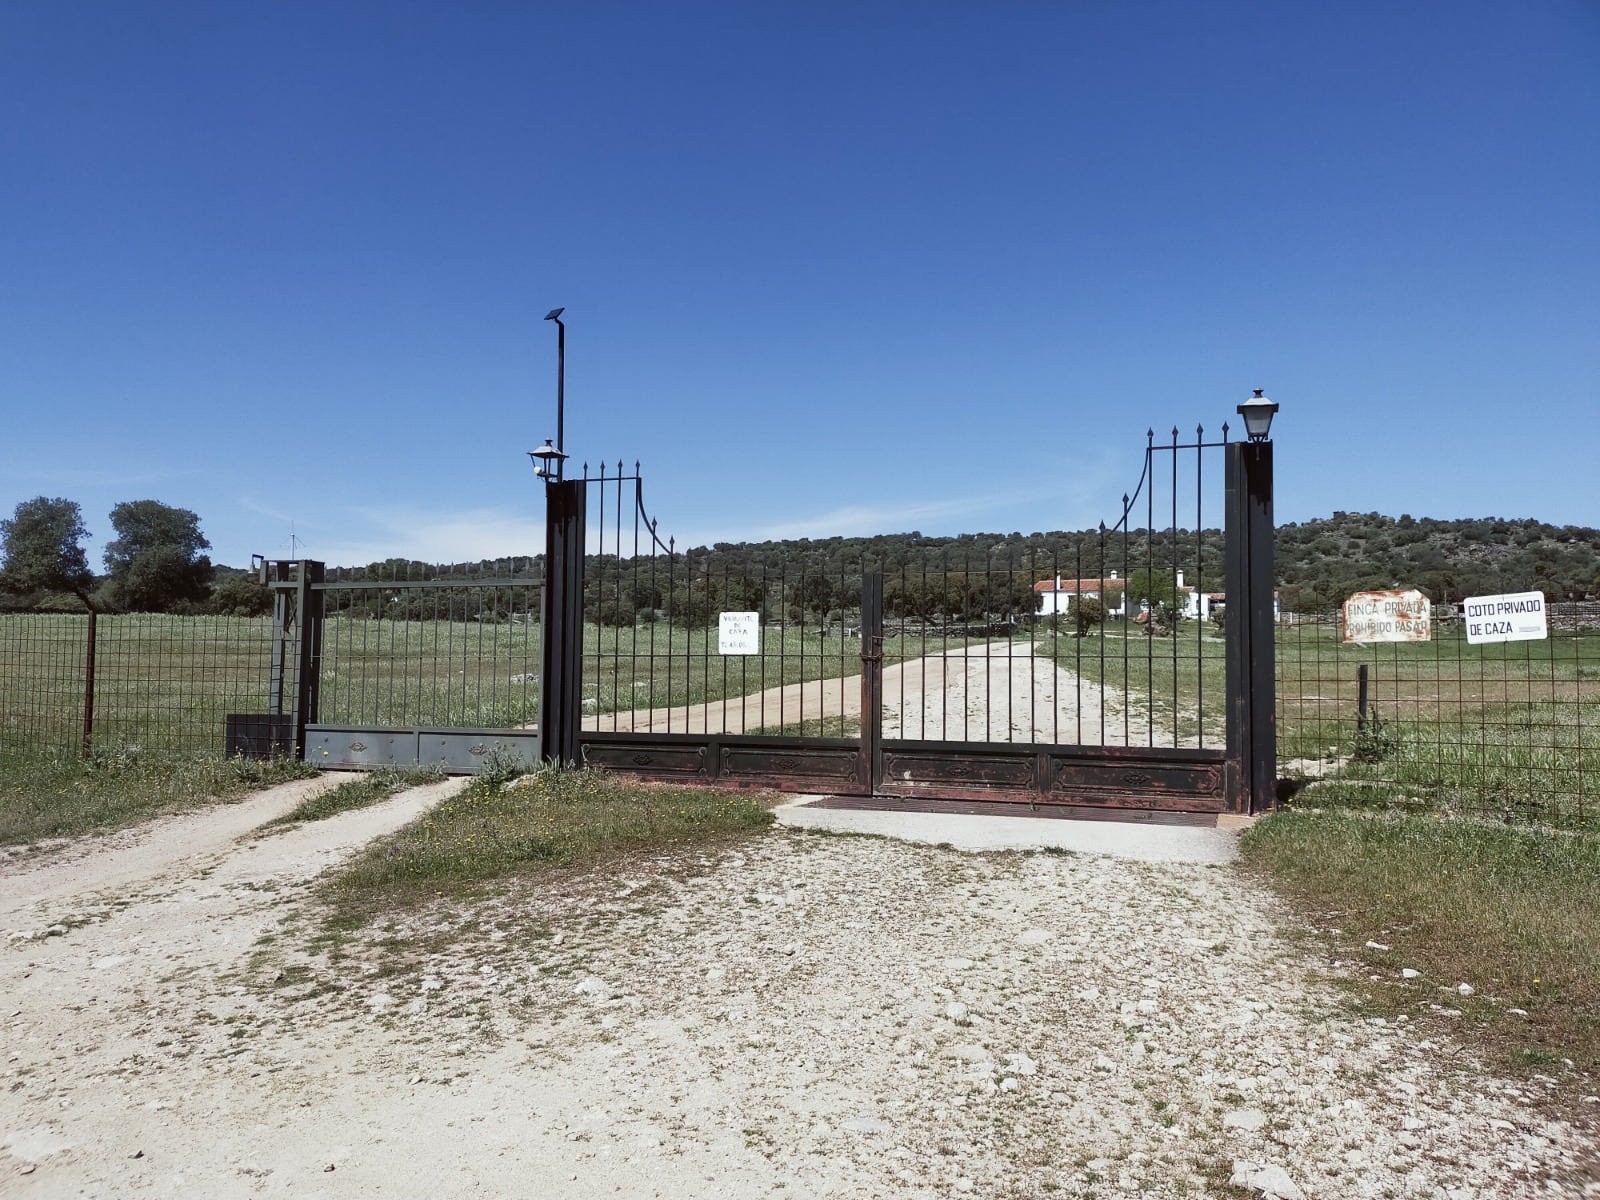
{"x":808,"y":763}
{"x":1001,"y":772}
{"x":658,"y":760}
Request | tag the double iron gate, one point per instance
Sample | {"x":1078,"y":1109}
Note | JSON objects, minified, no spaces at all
{"x":1127,"y":669}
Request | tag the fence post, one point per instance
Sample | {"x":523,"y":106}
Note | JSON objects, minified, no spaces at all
{"x":1361,"y":701}
{"x":280,"y":643}
{"x":308,"y":665}
{"x":88,"y":689}
{"x":561,"y":648}
{"x":1250,"y":615}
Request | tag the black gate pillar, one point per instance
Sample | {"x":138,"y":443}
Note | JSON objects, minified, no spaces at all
{"x":1251,"y":615}
{"x":297,"y":610}
{"x":561,"y":652}
{"x":308,"y":659}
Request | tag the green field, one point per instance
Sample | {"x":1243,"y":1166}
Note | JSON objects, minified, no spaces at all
{"x":161,"y":682}
{"x":1497,"y":730}
{"x":169,"y":682}
{"x":453,"y":674}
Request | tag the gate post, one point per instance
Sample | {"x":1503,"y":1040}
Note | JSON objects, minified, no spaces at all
{"x":88,"y":688}
{"x":1251,"y":616}
{"x":871,"y":680}
{"x":561,"y":649}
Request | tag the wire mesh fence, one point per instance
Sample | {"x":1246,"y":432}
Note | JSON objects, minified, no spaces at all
{"x":994,"y":644}
{"x":1504,"y":731}
{"x":160,"y":681}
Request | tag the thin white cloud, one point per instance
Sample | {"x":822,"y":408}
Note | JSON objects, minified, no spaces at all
{"x":439,"y":537}
{"x":1051,"y":504}
{"x":1064,"y":496}
{"x":63,"y":478}
{"x":251,"y":504}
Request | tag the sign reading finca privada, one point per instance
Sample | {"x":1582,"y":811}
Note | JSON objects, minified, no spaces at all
{"x":1396,"y":615}
{"x":1514,"y":617}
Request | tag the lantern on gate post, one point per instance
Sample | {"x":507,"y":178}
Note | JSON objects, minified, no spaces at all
{"x":1258,"y":412}
{"x":547,"y":462}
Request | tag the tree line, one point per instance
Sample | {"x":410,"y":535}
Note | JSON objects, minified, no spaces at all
{"x":1319,"y":562}
{"x":156,"y":563}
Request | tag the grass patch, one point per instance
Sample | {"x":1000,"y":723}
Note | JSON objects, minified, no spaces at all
{"x":1515,"y":913}
{"x":493,"y":830}
{"x":359,"y":792}
{"x":43,"y":797}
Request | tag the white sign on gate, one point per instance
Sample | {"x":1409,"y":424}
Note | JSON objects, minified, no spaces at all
{"x":1514,"y":617}
{"x":739,"y":633}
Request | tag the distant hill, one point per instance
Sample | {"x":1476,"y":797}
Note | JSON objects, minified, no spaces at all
{"x":1320,"y":562}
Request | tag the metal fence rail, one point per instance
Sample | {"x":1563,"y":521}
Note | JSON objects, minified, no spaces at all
{"x":1500,"y":731}
{"x":407,"y":644}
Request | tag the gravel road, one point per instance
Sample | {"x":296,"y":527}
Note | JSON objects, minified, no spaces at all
{"x":1003,"y":691}
{"x":805,"y":1016}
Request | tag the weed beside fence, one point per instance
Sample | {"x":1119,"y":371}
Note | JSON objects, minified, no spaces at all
{"x":1496,"y":731}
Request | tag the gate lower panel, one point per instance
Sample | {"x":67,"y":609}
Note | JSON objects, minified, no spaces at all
{"x":802,"y":764}
{"x":1088,"y":777}
{"x":458,"y":751}
{"x":1105,"y":777}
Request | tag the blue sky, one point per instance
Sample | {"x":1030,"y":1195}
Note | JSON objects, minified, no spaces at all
{"x":828,"y":268}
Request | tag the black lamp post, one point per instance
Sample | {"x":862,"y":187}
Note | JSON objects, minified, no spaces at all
{"x":560,"y":656}
{"x":1257,"y":413}
{"x":561,"y":387}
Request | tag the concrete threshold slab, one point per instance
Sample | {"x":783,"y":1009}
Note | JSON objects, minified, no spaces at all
{"x":1142,"y":841}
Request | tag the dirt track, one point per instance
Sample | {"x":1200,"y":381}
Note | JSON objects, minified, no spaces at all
{"x":803,"y":1017}
{"x":996,"y":692}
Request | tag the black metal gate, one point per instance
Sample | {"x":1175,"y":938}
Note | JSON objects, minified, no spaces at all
{"x":1128,"y":668}
{"x":1125,"y":668}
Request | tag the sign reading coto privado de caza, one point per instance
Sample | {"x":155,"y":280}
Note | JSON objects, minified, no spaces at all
{"x":1514,"y":617}
{"x":1395,"y":615}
